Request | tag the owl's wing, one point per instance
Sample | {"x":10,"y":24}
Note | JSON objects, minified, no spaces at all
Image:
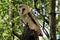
{"x":35,"y":19}
{"x":35,"y":23}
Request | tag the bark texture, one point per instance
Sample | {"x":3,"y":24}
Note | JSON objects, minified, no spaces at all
{"x":53,"y":21}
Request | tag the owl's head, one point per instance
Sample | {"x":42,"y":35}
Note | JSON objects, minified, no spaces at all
{"x":23,"y":9}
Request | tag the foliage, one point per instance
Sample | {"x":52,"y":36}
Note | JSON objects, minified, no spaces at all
{"x":5,"y":23}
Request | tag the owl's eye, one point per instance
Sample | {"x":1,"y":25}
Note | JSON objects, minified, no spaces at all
{"x":23,"y":9}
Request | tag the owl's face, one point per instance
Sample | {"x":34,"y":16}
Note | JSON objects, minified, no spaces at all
{"x":23,"y":9}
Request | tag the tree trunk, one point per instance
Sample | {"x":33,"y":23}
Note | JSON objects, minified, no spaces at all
{"x":52,"y":21}
{"x":28,"y":34}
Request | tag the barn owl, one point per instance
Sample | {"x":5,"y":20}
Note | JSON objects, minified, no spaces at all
{"x":29,"y":18}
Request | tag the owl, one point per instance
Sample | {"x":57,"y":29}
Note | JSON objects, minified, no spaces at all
{"x":29,"y":18}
